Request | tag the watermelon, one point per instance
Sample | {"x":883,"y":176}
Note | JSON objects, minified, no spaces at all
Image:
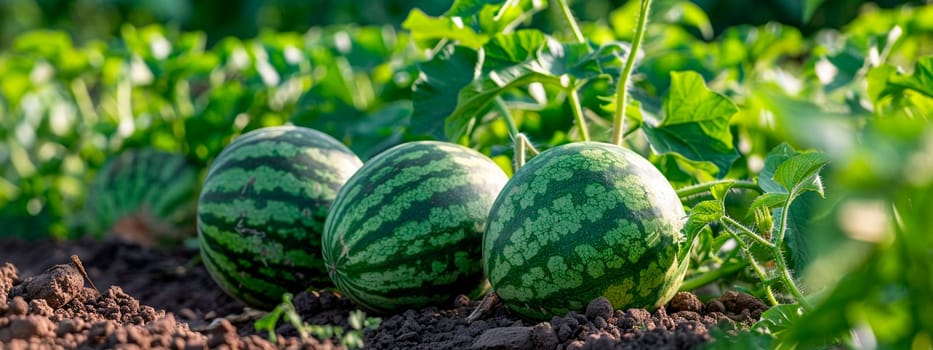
{"x":584,"y":220}
{"x":262,"y":209}
{"x":405,"y":232}
{"x":145,"y":195}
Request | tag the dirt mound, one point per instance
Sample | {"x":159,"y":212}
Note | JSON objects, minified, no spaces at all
{"x":165,"y":299}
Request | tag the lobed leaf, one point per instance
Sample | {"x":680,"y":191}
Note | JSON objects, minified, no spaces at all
{"x":435,"y":92}
{"x":524,"y":57}
{"x":695,"y":124}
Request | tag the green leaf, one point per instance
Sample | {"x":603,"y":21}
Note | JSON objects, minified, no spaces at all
{"x":269,"y":321}
{"x":719,"y":191}
{"x":689,"y":13}
{"x":425,"y":28}
{"x":678,"y":169}
{"x":767,"y":201}
{"x":804,"y":206}
{"x":695,"y":124}
{"x":466,"y":8}
{"x":703,"y":214}
{"x":778,"y":321}
{"x":469,"y":22}
{"x":809,"y":7}
{"x":887,"y":85}
{"x":920,"y":81}
{"x":801,"y":173}
{"x":524,"y":57}
{"x":775,"y":158}
{"x":436,"y":90}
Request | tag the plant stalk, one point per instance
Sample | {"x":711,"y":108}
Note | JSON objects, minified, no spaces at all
{"x":749,"y":232}
{"x":618,"y":127}
{"x":712,"y":276}
{"x":522,"y":147}
{"x":507,"y":116}
{"x":783,"y":227}
{"x":502,"y":10}
{"x":788,"y":279}
{"x":577,"y":109}
{"x":571,"y":22}
{"x":706,"y":186}
{"x":753,"y":263}
{"x":519,"y":153}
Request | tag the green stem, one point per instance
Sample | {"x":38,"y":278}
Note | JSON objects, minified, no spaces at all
{"x":706,"y":186}
{"x":571,"y":22}
{"x":712,"y":276}
{"x":781,"y":263}
{"x":85,"y":104}
{"x":519,"y":152}
{"x":522,"y":146}
{"x":622,"y":88}
{"x":788,"y":279}
{"x":753,"y":263}
{"x":783,"y":227}
{"x":530,"y":148}
{"x":578,"y":114}
{"x":748,"y":232}
{"x":505,"y":7}
{"x":504,"y":111}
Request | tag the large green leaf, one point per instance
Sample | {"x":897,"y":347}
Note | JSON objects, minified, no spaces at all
{"x":436,"y":89}
{"x":524,"y":57}
{"x":695,"y":124}
{"x":886,"y":83}
{"x":470,"y":22}
{"x":467,"y":8}
{"x":424,"y":28}
{"x":809,"y":8}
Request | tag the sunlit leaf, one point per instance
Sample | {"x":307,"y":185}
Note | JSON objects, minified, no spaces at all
{"x":695,"y":124}
{"x":886,"y":85}
{"x":703,"y":214}
{"x":768,"y":201}
{"x":801,"y":173}
{"x":525,"y":57}
{"x":720,"y":190}
{"x":424,"y":27}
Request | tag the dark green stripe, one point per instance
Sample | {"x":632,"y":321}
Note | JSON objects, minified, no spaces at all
{"x":286,"y":274}
{"x":272,"y":231}
{"x":277,"y":195}
{"x":418,"y":212}
{"x":221,"y":274}
{"x":374,"y":176}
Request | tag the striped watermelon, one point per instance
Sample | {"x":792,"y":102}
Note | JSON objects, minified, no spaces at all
{"x":144,"y":195}
{"x":580,"y":221}
{"x":262,"y":210}
{"x":405,"y":232}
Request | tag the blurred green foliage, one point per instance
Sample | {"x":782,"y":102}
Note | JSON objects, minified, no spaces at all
{"x":64,"y":108}
{"x":88,"y":87}
{"x":86,"y":20}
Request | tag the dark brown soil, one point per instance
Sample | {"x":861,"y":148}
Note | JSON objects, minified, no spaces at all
{"x":152,"y":298}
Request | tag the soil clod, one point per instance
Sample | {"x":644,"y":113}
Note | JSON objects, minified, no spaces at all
{"x":57,"y":286}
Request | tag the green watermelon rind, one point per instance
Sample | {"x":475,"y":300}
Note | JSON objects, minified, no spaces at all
{"x":584,"y":220}
{"x":405,"y":231}
{"x":262,"y":208}
{"x":158,"y":184}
